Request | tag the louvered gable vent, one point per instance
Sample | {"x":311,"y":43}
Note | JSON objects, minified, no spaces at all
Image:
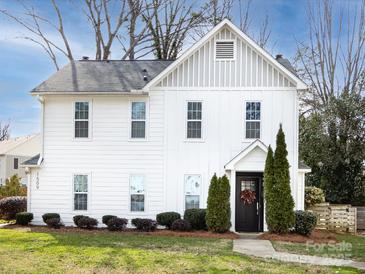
{"x":224,"y":50}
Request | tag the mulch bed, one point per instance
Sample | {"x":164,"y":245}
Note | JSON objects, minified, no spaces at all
{"x":129,"y":231}
{"x":317,"y":236}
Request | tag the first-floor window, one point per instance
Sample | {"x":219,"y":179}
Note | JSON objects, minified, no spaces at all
{"x":137,"y":192}
{"x":80,"y":192}
{"x":192,"y":191}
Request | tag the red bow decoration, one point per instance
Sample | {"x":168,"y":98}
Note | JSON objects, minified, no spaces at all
{"x":248,"y":196}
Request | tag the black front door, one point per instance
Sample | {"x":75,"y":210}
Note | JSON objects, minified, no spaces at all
{"x":249,"y":214}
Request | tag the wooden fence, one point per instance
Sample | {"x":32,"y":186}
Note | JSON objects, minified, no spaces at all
{"x":338,"y":218}
{"x":361,"y":217}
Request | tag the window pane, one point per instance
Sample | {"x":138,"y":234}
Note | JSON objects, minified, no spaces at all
{"x":253,"y":130}
{"x":137,"y":184}
{"x":138,"y":129}
{"x":253,"y":111}
{"x":194,"y":110}
{"x":81,"y":129}
{"x":137,"y":202}
{"x":191,"y":201}
{"x":80,"y":183}
{"x":82,"y":110}
{"x":192,"y":184}
{"x":80,"y":201}
{"x":194,"y":129}
{"x":139,"y":110}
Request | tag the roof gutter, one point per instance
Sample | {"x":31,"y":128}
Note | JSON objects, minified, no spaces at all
{"x":135,"y":92}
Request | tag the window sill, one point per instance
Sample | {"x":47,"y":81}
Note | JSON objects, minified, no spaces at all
{"x":82,"y":139}
{"x":137,"y":140}
{"x":194,"y":141}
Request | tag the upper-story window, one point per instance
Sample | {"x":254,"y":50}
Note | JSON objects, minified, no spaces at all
{"x":81,"y":119}
{"x":194,"y":120}
{"x":138,"y":120}
{"x":253,"y":120}
{"x":16,"y":163}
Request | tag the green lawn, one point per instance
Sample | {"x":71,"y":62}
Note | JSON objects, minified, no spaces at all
{"x":30,"y":252}
{"x":350,"y":247}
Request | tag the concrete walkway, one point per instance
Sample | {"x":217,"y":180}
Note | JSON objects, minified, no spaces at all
{"x":264,"y":249}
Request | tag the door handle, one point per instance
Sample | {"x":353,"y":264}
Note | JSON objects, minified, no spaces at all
{"x":257,"y":208}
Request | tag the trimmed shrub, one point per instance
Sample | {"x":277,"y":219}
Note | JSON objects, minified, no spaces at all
{"x":167,"y":218}
{"x":47,"y":216}
{"x":181,"y":225}
{"x":196,"y":218}
{"x":87,"y":222}
{"x":116,"y":224}
{"x":269,"y":192}
{"x":23,"y":218}
{"x":76,"y":219}
{"x":106,"y":218}
{"x":54,"y":223}
{"x":144,"y":224}
{"x":218,"y":214}
{"x":313,"y":195}
{"x":305,"y":222}
{"x":10,"y":206}
{"x":281,"y":217}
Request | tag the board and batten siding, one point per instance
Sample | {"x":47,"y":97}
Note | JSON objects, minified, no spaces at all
{"x":109,"y":157}
{"x":248,"y":69}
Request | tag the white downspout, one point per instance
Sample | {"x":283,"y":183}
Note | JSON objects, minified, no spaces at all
{"x":41,"y":100}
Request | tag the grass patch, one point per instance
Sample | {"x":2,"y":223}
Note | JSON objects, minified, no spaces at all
{"x":117,"y":252}
{"x":6,"y":222}
{"x":348,"y":247}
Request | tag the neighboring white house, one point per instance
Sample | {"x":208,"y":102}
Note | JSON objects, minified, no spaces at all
{"x":15,"y":151}
{"x":136,"y":138}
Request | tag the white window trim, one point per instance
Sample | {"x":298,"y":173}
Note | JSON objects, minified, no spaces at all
{"x":145,"y":211}
{"x":234,"y":49}
{"x":200,"y":189}
{"x":88,"y":192}
{"x":130,"y":121}
{"x":82,"y":139}
{"x":193,"y":140}
{"x":245,"y":139}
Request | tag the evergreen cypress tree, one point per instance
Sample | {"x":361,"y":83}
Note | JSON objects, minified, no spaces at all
{"x":268,"y":186}
{"x":218,"y":209}
{"x":283,"y":217}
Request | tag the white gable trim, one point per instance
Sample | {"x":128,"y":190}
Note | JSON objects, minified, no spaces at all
{"x":300,"y":84}
{"x":257,"y":143}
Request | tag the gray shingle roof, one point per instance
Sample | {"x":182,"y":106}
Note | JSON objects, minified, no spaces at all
{"x":286,"y":63}
{"x":302,"y":165}
{"x":103,"y":76}
{"x":32,"y":161}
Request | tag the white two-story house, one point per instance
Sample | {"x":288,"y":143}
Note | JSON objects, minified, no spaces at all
{"x":136,"y":138}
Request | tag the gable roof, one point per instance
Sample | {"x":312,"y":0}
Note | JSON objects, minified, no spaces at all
{"x":32,"y":161}
{"x":257,"y":143}
{"x":227,"y":23}
{"x":102,"y":76}
{"x":7,"y":146}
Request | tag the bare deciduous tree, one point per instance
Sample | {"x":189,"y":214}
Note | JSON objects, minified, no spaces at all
{"x":4,"y":131}
{"x":170,"y":26}
{"x":333,"y":60}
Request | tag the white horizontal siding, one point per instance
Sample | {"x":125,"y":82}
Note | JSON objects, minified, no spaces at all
{"x":109,"y":157}
{"x":248,"y":69}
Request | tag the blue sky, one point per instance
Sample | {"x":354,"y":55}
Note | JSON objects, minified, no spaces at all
{"x":23,"y":64}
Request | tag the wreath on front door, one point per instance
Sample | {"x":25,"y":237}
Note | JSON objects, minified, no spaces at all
{"x":248,"y":196}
